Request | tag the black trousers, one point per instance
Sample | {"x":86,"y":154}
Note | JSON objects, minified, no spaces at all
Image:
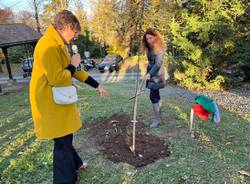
{"x":66,"y":161}
{"x":154,"y":95}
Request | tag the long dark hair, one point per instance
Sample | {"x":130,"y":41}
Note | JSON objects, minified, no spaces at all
{"x":158,"y":43}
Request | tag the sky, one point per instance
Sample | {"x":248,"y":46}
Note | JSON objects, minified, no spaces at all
{"x":17,"y":5}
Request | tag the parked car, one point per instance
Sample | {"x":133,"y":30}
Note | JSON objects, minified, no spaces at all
{"x":88,"y":64}
{"x":110,"y":63}
{"x":27,"y":66}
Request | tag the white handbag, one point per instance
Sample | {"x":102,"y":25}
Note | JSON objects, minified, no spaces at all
{"x":64,"y":95}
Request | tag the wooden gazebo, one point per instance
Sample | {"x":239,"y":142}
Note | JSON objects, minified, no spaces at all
{"x":14,"y":35}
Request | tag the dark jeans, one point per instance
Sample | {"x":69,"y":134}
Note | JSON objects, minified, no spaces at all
{"x":154,"y":95}
{"x":65,"y":161}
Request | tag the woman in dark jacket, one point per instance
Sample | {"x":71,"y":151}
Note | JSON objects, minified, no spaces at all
{"x":153,"y":44}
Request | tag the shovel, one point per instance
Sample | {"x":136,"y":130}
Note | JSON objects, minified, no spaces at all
{"x":140,"y":88}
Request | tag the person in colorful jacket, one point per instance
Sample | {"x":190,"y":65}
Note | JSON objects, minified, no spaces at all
{"x":153,"y":44}
{"x":54,"y":67}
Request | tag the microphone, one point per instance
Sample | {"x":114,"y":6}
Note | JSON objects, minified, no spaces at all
{"x":74,"y":49}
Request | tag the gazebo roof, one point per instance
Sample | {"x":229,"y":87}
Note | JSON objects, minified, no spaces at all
{"x":17,"y":34}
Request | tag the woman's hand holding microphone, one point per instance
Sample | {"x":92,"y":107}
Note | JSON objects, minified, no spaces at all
{"x":75,"y":60}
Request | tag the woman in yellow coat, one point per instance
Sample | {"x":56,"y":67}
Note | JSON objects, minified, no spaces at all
{"x":53,"y":66}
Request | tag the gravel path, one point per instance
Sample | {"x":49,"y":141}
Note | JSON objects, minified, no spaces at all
{"x":231,"y":100}
{"x":236,"y":101}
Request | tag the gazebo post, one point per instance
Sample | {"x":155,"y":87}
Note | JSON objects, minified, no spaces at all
{"x":5,"y":52}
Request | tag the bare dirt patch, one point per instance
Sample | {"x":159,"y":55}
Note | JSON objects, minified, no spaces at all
{"x":114,"y":135}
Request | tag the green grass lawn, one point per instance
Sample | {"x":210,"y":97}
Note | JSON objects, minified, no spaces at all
{"x":216,"y":157}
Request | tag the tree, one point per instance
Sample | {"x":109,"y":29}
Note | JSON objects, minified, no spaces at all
{"x":81,"y":15}
{"x":36,"y":4}
{"x":26,"y":17}
{"x":129,"y":23}
{"x":204,"y":38}
{"x":51,"y":8}
{"x":126,"y":23}
{"x":239,"y":59}
{"x":17,"y":53}
{"x":159,"y":15}
{"x":102,"y":24}
{"x":6,"y":16}
{"x":117,"y":23}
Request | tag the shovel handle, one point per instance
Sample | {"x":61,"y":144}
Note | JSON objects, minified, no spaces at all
{"x":140,"y":88}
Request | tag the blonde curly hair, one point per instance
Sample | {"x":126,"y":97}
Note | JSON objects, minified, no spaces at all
{"x":158,"y":44}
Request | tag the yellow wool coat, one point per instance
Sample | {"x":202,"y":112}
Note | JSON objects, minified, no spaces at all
{"x":50,"y":60}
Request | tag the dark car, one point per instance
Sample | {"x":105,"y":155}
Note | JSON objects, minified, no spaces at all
{"x":27,"y":66}
{"x":88,"y":64}
{"x":110,"y":63}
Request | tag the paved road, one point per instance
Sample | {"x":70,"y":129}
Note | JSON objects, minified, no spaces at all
{"x":102,"y":78}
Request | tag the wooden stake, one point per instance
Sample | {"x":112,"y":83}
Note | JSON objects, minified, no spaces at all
{"x":191,"y":122}
{"x":132,"y":148}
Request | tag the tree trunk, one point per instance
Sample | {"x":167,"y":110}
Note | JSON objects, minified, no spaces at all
{"x":36,"y":16}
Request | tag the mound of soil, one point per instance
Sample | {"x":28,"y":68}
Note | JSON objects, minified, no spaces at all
{"x":114,"y":135}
